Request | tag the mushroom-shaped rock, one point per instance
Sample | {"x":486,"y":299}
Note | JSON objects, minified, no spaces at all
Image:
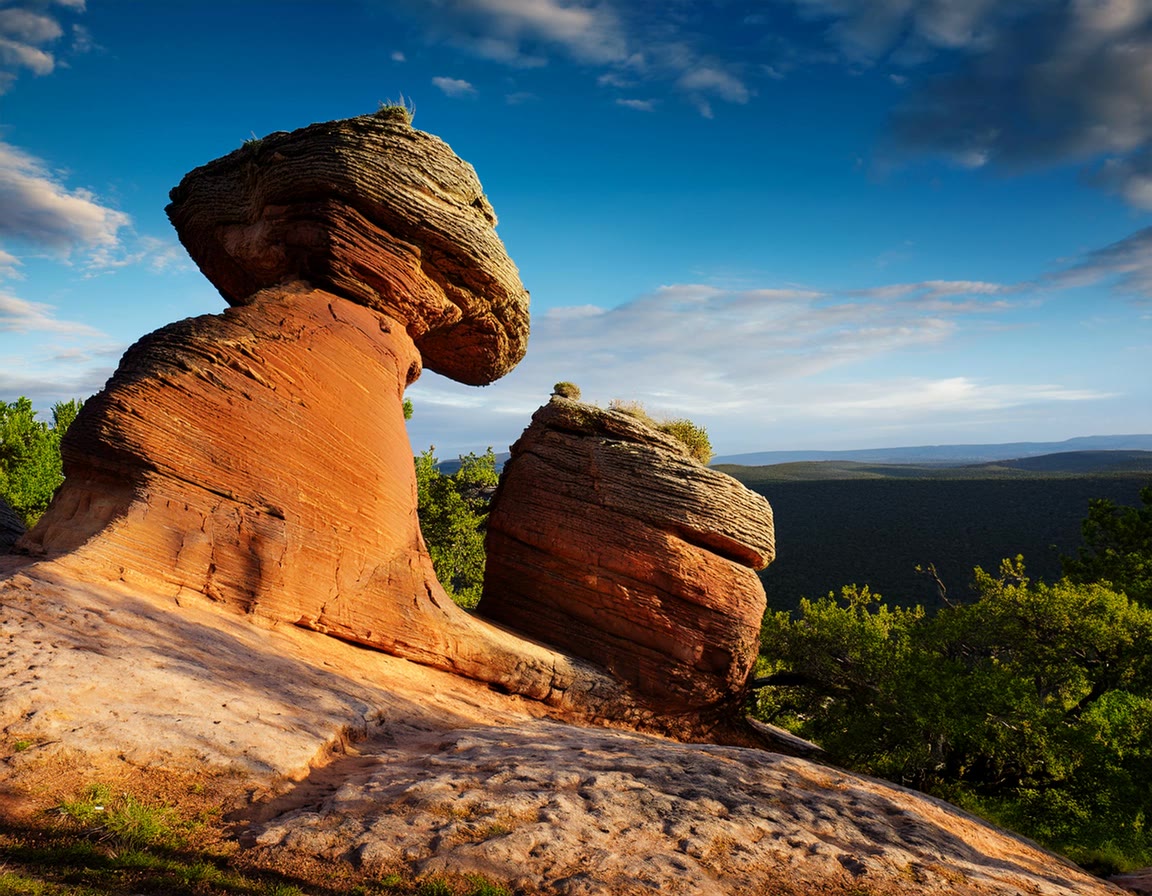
{"x":606,"y":539}
{"x":375,"y":211}
{"x":259,"y":457}
{"x":11,"y":526}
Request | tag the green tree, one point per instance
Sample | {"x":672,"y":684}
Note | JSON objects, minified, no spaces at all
{"x":453,"y":513}
{"x":1117,"y":548}
{"x":1032,"y":704}
{"x":30,"y":466}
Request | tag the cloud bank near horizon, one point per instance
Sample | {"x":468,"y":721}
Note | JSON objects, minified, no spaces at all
{"x":741,"y":360}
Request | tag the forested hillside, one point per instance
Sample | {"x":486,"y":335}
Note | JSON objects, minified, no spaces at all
{"x":876,"y":531}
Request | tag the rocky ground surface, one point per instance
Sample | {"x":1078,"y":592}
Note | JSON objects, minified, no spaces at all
{"x":354,"y":756}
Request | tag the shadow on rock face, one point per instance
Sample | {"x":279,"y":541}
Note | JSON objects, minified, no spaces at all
{"x":258,"y":458}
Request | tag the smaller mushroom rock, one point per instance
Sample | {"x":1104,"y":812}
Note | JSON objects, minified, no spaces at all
{"x":606,"y":539}
{"x":11,"y":527}
{"x":372,"y":210}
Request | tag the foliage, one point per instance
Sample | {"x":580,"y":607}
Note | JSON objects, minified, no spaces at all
{"x":1117,"y":549}
{"x":30,"y":466}
{"x":690,"y":435}
{"x":566,"y":389}
{"x":402,"y":110}
{"x":632,"y":409}
{"x":407,"y":409}
{"x":1032,"y":705}
{"x":955,"y":525}
{"x":121,"y":818}
{"x":453,"y":512}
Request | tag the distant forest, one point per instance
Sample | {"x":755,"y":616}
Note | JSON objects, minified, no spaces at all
{"x":875,"y":525}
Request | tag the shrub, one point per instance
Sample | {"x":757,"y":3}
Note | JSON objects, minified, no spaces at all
{"x":566,"y":389}
{"x":693,"y":437}
{"x":690,"y":435}
{"x":632,"y":409}
{"x":401,"y":110}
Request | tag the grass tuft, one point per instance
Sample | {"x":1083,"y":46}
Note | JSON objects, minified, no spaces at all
{"x":402,"y":110}
{"x":104,"y":840}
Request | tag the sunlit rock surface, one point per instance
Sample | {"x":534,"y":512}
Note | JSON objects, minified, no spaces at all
{"x":608,"y":540}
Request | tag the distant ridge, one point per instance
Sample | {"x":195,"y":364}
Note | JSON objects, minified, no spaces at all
{"x":946,"y":455}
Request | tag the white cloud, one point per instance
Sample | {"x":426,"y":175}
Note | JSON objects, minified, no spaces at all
{"x":27,"y":31}
{"x":20,"y":316}
{"x":160,"y":255}
{"x":709,"y":80}
{"x":8,"y":264}
{"x":518,"y":32}
{"x":639,"y":105}
{"x":39,"y":210}
{"x":44,"y":386}
{"x":82,"y":41}
{"x":817,"y":365}
{"x":1130,"y":176}
{"x":632,"y":46}
{"x":614,"y":79}
{"x":589,"y":32}
{"x":951,"y":395}
{"x":454,"y":86}
{"x":1125,"y":264}
{"x":398,"y":56}
{"x":724,"y":356}
{"x":17,"y":55}
{"x":867,"y":29}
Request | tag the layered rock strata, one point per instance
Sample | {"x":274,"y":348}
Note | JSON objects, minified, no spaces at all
{"x":372,"y":210}
{"x":606,"y":539}
{"x":259,"y":457}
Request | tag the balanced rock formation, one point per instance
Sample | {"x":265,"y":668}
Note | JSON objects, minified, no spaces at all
{"x":372,"y":210}
{"x":608,"y":540}
{"x":11,"y":526}
{"x":259,"y":457}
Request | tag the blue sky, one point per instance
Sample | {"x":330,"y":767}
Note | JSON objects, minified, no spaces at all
{"x":802,"y":223}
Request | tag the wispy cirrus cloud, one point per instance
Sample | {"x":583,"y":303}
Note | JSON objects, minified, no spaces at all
{"x":625,"y":41}
{"x":9,"y":264}
{"x":959,"y":394}
{"x":20,"y":316}
{"x":805,"y":360}
{"x":1126,"y":265}
{"x":721,"y":355}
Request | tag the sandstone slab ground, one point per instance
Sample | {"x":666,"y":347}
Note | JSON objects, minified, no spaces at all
{"x":354,"y":756}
